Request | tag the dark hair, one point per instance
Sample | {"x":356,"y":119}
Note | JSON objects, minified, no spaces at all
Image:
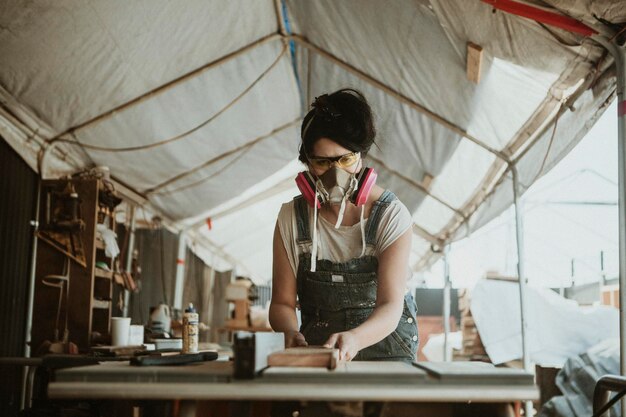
{"x":344,"y":116}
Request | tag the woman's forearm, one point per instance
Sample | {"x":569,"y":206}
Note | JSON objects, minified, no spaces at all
{"x":283,"y":318}
{"x":383,"y":320}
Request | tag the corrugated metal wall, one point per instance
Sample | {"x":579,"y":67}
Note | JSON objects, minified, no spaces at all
{"x":18,"y":184}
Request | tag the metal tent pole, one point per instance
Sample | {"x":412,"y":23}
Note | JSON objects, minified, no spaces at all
{"x":32,"y":273}
{"x":619,"y":55}
{"x":179,"y":283}
{"x":30,"y":300}
{"x":519,"y":232}
{"x":129,"y":257}
{"x":446,"y":302}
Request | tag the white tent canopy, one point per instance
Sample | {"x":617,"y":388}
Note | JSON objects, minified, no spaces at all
{"x":196,"y":106}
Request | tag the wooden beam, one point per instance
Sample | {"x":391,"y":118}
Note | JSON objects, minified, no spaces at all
{"x":474,"y":61}
{"x":427,"y":180}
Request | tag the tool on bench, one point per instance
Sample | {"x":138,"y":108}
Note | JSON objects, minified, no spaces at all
{"x":180,"y":359}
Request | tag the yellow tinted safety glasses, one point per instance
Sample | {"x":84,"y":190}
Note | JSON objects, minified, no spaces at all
{"x":342,"y":161}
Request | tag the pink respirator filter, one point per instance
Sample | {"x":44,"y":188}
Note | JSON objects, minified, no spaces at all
{"x":307,"y":188}
{"x":366,"y":182}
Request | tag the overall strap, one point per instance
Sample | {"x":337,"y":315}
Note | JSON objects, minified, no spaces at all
{"x":302,"y":219}
{"x":378,"y":208}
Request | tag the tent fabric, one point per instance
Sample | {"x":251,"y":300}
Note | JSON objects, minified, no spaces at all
{"x":198,"y":108}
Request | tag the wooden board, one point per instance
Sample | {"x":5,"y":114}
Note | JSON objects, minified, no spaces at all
{"x":318,"y":357}
{"x":474,"y":62}
{"x":354,"y":372}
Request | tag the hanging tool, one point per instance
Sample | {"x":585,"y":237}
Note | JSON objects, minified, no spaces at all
{"x":62,"y":282}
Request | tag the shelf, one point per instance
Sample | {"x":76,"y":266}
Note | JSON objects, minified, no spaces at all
{"x":100,"y":304}
{"x":99,"y":244}
{"x":103,"y":273}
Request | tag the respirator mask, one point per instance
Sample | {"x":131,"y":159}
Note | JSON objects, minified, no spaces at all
{"x":335,"y":186}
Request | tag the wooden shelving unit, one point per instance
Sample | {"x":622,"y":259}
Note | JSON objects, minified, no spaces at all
{"x":89,"y":295}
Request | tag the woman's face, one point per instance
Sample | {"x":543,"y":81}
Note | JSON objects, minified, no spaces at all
{"x":326,"y":148}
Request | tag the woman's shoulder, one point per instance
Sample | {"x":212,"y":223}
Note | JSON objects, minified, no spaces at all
{"x":377,"y":193}
{"x":396,"y":210}
{"x":286,"y":209}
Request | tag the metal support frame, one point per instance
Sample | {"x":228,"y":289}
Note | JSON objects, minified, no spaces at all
{"x":620,"y":61}
{"x":519,"y":234}
{"x":179,"y":282}
{"x":603,"y":387}
{"x":619,"y":55}
{"x":129,"y":256}
{"x":446,"y":301}
{"x":31,"y":278}
{"x":30,"y":301}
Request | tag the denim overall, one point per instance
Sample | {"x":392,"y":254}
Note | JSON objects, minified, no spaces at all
{"x":341,"y":296}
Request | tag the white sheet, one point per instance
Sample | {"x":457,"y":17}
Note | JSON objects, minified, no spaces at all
{"x":557,"y":328}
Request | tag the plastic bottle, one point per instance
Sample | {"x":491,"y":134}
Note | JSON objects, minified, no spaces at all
{"x":190,"y":330}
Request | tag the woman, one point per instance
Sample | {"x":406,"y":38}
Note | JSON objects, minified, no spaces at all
{"x":342,"y":248}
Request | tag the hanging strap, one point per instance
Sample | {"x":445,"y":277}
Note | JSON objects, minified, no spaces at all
{"x":302,"y":220}
{"x":378,"y":208}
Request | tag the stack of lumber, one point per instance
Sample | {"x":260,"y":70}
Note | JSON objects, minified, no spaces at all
{"x":610,"y":295}
{"x":311,"y":356}
{"x":473,"y":349}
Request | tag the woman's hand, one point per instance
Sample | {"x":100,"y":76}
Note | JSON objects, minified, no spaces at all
{"x":347,"y":343}
{"x":294,"y":338}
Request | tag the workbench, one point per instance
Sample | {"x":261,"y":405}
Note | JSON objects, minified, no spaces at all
{"x":461,"y":382}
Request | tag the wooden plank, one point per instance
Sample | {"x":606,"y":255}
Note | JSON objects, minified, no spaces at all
{"x":427,"y":180}
{"x":101,"y":304}
{"x":305,"y":356}
{"x":103,"y":273}
{"x":474,"y":62}
{"x":352,"y":372}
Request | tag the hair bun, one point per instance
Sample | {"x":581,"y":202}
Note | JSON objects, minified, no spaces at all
{"x":325,"y":109}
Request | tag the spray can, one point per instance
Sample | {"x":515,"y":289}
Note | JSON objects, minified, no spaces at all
{"x":190,"y":330}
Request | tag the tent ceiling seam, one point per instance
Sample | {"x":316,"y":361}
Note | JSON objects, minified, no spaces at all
{"x":214,"y":248}
{"x":154,"y":190}
{"x":31,"y":133}
{"x":280,"y":18}
{"x":423,"y":233}
{"x":451,"y":230}
{"x":534,"y":124}
{"x":225,"y":58}
{"x":490,"y":183}
{"x":392,"y":92}
{"x":568,"y":103}
{"x":416,"y":185}
{"x":186,"y":133}
{"x":276,"y":188}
